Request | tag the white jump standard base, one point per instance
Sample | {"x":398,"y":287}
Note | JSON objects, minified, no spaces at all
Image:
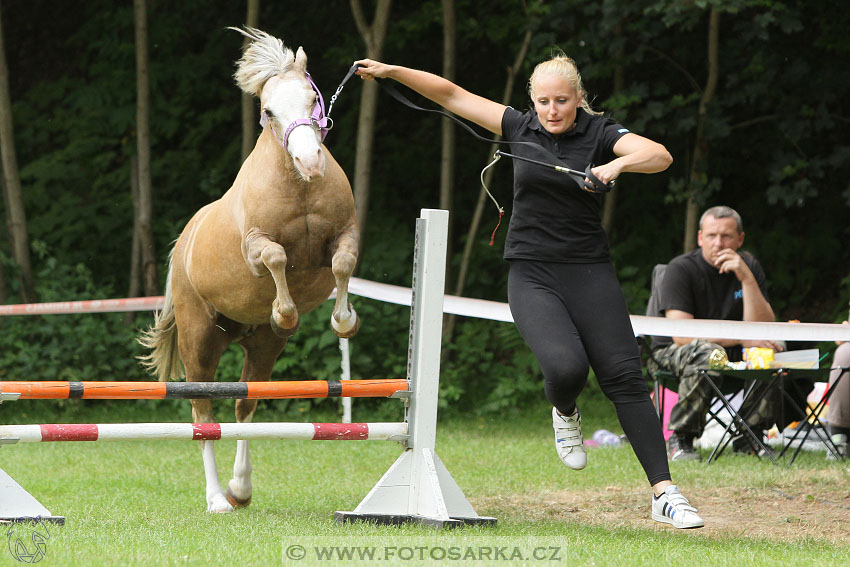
{"x":17,"y":505}
{"x":417,"y":487}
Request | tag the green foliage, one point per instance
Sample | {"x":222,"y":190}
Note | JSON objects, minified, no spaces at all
{"x":68,"y":347}
{"x":777,"y":152}
{"x":489,"y":370}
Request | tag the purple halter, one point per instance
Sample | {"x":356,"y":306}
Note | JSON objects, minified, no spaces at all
{"x":318,"y":119}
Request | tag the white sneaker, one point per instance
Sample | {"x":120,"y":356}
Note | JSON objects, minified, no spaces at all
{"x":568,"y":439}
{"x":673,"y":508}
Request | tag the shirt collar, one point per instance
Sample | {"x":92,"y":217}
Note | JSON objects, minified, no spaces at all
{"x":580,"y":124}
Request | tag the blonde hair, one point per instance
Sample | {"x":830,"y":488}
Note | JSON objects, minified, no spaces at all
{"x":562,"y":66}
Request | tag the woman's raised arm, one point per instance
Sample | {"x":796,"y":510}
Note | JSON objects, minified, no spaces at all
{"x":477,"y":109}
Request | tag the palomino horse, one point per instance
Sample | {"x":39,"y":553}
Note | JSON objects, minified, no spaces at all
{"x":273,"y":247}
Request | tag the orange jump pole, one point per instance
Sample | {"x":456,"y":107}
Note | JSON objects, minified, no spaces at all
{"x":203,"y":390}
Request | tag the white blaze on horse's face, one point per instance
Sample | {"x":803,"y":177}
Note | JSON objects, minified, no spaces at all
{"x":285,"y":99}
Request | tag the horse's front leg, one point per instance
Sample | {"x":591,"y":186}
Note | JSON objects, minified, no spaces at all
{"x":344,"y":320}
{"x":265,"y":256}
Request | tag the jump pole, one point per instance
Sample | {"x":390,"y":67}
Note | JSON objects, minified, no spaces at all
{"x":204,"y":431}
{"x":418,"y":487}
{"x":277,"y":390}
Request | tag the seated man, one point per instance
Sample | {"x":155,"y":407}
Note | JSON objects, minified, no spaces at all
{"x":839,"y":403}
{"x":714,"y":281}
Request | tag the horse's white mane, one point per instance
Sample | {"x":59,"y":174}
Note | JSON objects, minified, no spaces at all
{"x":264,"y":57}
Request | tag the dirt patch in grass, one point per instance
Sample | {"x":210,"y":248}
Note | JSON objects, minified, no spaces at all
{"x":812,"y":505}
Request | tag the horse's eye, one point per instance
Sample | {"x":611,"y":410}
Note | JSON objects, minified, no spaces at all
{"x":268,"y":113}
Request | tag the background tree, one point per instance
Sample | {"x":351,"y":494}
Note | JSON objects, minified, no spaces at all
{"x":249,"y":105}
{"x":373,"y":36}
{"x":483,"y":200}
{"x":144,"y":194}
{"x":447,"y":157}
{"x":4,"y":290}
{"x":16,"y":218}
{"x":698,"y":177}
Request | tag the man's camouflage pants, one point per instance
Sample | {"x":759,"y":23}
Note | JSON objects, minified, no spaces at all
{"x":695,"y":394}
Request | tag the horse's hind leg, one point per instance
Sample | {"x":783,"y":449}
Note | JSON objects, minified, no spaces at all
{"x":265,"y":256}
{"x":201,"y":344}
{"x":344,"y":320}
{"x":261,"y":350}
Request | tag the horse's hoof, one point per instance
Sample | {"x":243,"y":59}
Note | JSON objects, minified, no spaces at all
{"x":280,"y":331}
{"x":237,"y":502}
{"x":347,"y":333}
{"x":219,"y":505}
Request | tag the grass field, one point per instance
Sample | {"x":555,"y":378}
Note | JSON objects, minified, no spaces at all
{"x":142,"y":503}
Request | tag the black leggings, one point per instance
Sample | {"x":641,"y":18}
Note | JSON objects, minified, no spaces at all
{"x":574,"y":316}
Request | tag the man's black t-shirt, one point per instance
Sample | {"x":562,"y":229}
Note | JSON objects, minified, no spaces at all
{"x":553,"y":218}
{"x":694,"y":286}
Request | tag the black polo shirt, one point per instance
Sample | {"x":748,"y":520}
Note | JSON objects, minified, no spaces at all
{"x":553,"y":218}
{"x":694,"y":286}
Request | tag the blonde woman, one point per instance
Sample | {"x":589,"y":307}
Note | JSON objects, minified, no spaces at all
{"x":562,"y":289}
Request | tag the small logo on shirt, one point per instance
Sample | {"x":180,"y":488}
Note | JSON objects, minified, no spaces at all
{"x":623,"y":131}
{"x":739,"y":294}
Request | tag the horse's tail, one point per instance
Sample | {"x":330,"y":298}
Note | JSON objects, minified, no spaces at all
{"x":164,"y":359}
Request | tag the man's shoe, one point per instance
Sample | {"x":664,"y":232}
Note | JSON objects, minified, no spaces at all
{"x":674,"y":509}
{"x":568,"y":439}
{"x":840,"y":440}
{"x":681,"y":448}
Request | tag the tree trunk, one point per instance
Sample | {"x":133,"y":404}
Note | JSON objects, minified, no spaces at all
{"x":699,"y":165}
{"x":143,"y":148}
{"x":135,"y":287}
{"x":447,"y":159}
{"x":610,"y":204}
{"x":249,"y":105}
{"x":373,"y":36}
{"x":16,"y":218}
{"x":472,"y":233}
{"x":4,"y":289}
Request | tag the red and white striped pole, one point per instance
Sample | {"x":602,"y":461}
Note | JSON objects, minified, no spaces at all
{"x":203,"y":431}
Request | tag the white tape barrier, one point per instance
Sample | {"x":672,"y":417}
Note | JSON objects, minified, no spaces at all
{"x":641,"y":324}
{"x":495,"y":311}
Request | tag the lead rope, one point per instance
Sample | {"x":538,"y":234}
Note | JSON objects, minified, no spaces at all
{"x":496,"y":158}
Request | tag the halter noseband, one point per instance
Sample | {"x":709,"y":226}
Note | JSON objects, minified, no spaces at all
{"x":318,"y":120}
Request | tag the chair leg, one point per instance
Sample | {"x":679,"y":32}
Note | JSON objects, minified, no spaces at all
{"x":737,"y":421}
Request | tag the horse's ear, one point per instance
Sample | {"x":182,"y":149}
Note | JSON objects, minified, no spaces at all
{"x":301,"y":59}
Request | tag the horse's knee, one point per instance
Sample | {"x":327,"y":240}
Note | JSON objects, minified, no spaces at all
{"x":262,"y":255}
{"x":274,"y":257}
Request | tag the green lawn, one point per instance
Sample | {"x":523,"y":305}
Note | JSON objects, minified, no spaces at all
{"x":142,"y":503}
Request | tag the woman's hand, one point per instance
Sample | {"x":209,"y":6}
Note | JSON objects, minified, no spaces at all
{"x":606,"y":173}
{"x":370,"y":69}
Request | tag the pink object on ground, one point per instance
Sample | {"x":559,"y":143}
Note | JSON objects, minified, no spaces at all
{"x":670,"y":398}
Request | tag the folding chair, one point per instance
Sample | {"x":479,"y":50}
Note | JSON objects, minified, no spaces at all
{"x":782,"y":378}
{"x":737,"y":426}
{"x":662,"y":379}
